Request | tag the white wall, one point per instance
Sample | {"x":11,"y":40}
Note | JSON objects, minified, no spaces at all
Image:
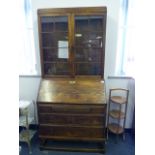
{"x":28,"y":86}
{"x":28,"y":90}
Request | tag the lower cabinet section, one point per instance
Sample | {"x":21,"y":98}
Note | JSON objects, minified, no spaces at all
{"x":83,"y":124}
{"x":72,"y":112}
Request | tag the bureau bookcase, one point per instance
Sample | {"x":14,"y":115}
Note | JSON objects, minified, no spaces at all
{"x":71,"y":99}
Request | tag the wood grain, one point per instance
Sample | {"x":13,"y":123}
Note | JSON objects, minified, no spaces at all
{"x":71,"y":107}
{"x":71,"y":91}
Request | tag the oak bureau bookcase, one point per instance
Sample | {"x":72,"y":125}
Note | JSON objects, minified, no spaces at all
{"x":71,"y":99}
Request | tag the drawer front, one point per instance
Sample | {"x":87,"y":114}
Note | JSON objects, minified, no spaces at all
{"x":68,"y":131}
{"x":78,"y":119}
{"x":81,"y":109}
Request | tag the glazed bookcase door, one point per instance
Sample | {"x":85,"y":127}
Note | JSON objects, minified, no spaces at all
{"x":55,"y":45}
{"x":89,"y":38}
{"x":72,"y":41}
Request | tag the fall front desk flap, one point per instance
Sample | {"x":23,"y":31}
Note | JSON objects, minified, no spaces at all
{"x":67,"y":90}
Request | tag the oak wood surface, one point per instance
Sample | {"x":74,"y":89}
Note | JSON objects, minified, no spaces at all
{"x":72,"y":119}
{"x":118,"y":99}
{"x":73,"y":107}
{"x":116,"y":114}
{"x":115,"y":128}
{"x":79,"y":116}
{"x":63,"y":108}
{"x":64,"y":138}
{"x":90,"y":10}
{"x":78,"y":90}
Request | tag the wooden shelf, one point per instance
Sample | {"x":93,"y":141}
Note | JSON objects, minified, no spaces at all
{"x":117,"y":110}
{"x":118,"y":99}
{"x":115,"y":128}
{"x":117,"y":114}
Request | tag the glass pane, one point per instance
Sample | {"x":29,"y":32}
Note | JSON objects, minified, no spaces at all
{"x":61,"y":24}
{"x":61,"y":39}
{"x":81,"y":23}
{"x":96,"y":23}
{"x":47,"y":40}
{"x":88,"y":23}
{"x":87,"y":55}
{"x":89,"y":39}
{"x":88,"y":69}
{"x":56,"y":69}
{"x":47,"y":24}
{"x":52,"y":55}
{"x":55,"y":39}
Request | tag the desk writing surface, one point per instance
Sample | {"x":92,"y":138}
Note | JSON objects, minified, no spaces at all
{"x":67,"y":90}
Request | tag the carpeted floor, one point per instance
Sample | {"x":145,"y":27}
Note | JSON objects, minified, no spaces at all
{"x":126,"y":147}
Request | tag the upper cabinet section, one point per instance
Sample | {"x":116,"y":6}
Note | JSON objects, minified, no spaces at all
{"x":72,"y":41}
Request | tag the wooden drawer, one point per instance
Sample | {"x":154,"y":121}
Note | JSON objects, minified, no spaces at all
{"x":85,"y":119}
{"x":71,"y":131}
{"x":70,"y":108}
